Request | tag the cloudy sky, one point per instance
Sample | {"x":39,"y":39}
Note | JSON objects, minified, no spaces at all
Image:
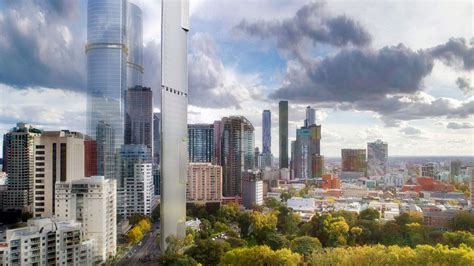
{"x":401,"y":71}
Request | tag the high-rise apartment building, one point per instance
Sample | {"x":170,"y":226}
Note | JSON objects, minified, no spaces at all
{"x":283,"y":137}
{"x":217,"y":153}
{"x":47,"y":242}
{"x":455,"y":168}
{"x":201,"y":143}
{"x":106,"y":52}
{"x":106,"y":150}
{"x":354,"y":160}
{"x":62,"y":159}
{"x":204,"y":183}
{"x":174,"y":112}
{"x":156,"y":137}
{"x":139,"y":116}
{"x":135,"y":193}
{"x":429,"y":169}
{"x":18,"y":162}
{"x":377,"y":158}
{"x":135,"y":46}
{"x":310,"y":117}
{"x":92,"y":202}
{"x":237,"y":153}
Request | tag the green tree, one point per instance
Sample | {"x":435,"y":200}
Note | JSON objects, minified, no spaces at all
{"x":155,"y":214}
{"x":262,"y":224}
{"x":260,"y":256}
{"x":220,"y":227}
{"x":408,"y":218}
{"x":272,"y":203}
{"x":349,"y":216}
{"x":369,"y":214}
{"x":455,"y":239}
{"x":288,"y":221}
{"x":276,"y":241}
{"x":208,"y":251}
{"x":463,"y":221}
{"x":305,"y":245}
{"x":176,"y":260}
{"x":228,"y":212}
{"x":135,"y":218}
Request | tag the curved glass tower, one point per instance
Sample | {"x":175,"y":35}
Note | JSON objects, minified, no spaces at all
{"x":106,"y":67}
{"x":135,"y":46}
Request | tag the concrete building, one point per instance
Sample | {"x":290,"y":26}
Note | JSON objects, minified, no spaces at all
{"x":438,"y":217}
{"x":252,"y":189}
{"x":18,"y":162}
{"x":204,"y":183}
{"x":377,"y":158}
{"x":201,"y":143}
{"x":266,"y":156}
{"x":174,"y":113}
{"x":237,"y":142}
{"x":92,"y":202}
{"x":354,"y":160}
{"x":429,"y":169}
{"x":139,"y":116}
{"x":62,"y":159}
{"x":135,"y":192}
{"x":46,"y":242}
{"x":283,"y":136}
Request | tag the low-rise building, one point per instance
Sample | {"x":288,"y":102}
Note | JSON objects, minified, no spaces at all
{"x":46,"y":242}
{"x":252,"y":189}
{"x":306,"y":207}
{"x":439,"y":217}
{"x":388,"y":210}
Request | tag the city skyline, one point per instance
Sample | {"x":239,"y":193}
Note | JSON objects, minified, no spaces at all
{"x":417,"y":122}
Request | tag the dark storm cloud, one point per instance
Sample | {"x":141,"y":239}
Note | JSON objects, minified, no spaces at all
{"x":354,"y":75}
{"x":38,"y":46}
{"x":459,"y":125}
{"x":456,"y":52}
{"x":464,"y":84}
{"x":310,"y":23}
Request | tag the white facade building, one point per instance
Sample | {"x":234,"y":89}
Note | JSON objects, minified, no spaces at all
{"x":93,"y":202}
{"x":306,"y":207}
{"x":137,"y":195}
{"x":45,"y":242}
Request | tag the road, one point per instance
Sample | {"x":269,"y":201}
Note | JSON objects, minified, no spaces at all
{"x":148,"y":247}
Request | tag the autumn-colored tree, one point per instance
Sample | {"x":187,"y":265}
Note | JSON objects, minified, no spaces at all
{"x":208,"y":251}
{"x":135,"y":235}
{"x":144,"y":225}
{"x":260,"y":256}
{"x":464,"y":221}
{"x":455,"y":239}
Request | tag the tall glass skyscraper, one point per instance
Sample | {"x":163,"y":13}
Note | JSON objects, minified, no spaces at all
{"x":139,"y":116}
{"x":266,"y":131}
{"x":134,"y":45}
{"x":156,"y":137}
{"x":106,"y":66}
{"x":201,"y":143}
{"x":310,"y":117}
{"x":283,"y":127}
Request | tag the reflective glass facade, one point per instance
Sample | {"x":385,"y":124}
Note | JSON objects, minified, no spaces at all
{"x":135,"y":46}
{"x":283,"y":127}
{"x":201,"y":143}
{"x":106,"y":69}
{"x":267,"y":131}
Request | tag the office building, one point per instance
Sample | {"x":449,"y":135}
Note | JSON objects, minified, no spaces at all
{"x":92,"y":202}
{"x":377,"y":158}
{"x":252,"y":189}
{"x":62,"y":159}
{"x":106,"y":53}
{"x":455,"y":168}
{"x":237,"y":153}
{"x":266,"y":158}
{"x":135,"y":46}
{"x":18,"y":163}
{"x":139,"y":116}
{"x":156,"y":137}
{"x":174,"y":113}
{"x":354,"y":160}
{"x":201,"y":143}
{"x":106,"y":151}
{"x":156,"y":179}
{"x":47,"y":242}
{"x":283,"y":136}
{"x":306,"y":152}
{"x":204,"y":183}
{"x":310,"y":117}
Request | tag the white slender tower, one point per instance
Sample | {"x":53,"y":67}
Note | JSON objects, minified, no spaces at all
{"x":174,"y":110}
